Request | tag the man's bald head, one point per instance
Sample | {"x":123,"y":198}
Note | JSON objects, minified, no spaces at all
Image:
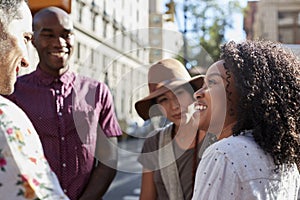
{"x":50,"y":13}
{"x":53,"y":38}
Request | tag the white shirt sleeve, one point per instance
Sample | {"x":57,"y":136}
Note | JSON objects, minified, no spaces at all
{"x":237,"y":168}
{"x":215,"y":177}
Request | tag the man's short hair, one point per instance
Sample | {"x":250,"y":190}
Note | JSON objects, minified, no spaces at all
{"x":9,"y":11}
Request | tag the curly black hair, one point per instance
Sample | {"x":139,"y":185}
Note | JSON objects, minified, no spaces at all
{"x":267,"y":77}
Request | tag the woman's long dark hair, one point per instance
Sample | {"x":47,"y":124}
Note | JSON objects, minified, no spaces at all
{"x":267,"y":78}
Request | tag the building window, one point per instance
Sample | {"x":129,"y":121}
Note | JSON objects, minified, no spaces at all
{"x":123,"y":38}
{"x":286,"y":35}
{"x":105,"y":71}
{"x":104,"y":28}
{"x":78,"y":50}
{"x":94,"y":20}
{"x":80,"y":6}
{"x":289,"y":27}
{"x":115,"y":26}
{"x":92,"y":58}
{"x":123,"y":102}
{"x":95,"y":11}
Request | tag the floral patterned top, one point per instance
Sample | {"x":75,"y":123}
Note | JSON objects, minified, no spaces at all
{"x":24,"y":171}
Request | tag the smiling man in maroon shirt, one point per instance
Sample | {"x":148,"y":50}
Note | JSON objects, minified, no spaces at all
{"x":73,"y":115}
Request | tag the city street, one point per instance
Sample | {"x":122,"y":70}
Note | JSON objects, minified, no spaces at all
{"x":126,"y":185}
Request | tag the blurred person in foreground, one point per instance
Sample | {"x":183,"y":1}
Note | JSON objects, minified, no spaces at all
{"x":259,"y":135}
{"x":170,"y":154}
{"x":24,"y":171}
{"x":73,"y":115}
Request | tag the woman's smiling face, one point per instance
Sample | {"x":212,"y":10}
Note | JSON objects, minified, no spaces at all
{"x":216,"y":99}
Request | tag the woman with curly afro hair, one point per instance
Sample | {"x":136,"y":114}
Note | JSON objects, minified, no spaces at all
{"x":251,"y":101}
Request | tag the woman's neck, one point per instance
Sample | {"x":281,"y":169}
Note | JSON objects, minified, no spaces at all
{"x":227,"y":131}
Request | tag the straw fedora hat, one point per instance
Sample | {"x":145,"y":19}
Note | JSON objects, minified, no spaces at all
{"x":163,"y":76}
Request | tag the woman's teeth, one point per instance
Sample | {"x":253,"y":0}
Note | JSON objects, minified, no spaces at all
{"x":200,"y":107}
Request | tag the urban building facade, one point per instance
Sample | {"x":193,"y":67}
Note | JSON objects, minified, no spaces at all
{"x":277,"y":20}
{"x":111,"y":42}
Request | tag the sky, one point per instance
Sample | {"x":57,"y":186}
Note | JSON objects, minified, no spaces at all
{"x":237,"y":33}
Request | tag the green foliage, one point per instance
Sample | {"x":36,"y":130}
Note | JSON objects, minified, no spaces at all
{"x":209,"y":20}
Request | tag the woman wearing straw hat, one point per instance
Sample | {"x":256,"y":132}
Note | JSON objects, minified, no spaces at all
{"x":170,"y":155}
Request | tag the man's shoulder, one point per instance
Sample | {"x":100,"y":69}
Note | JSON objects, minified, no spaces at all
{"x":83,"y":82}
{"x":25,"y":77}
{"x":85,"y":79}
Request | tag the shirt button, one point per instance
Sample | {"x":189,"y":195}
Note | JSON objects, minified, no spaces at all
{"x":57,"y":91}
{"x":62,"y":138}
{"x":59,"y":113}
{"x":65,"y":190}
{"x":64,"y":165}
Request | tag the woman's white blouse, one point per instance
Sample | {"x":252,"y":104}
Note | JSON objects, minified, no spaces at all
{"x":237,"y":168}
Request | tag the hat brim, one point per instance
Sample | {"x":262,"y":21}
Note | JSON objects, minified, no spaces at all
{"x":144,"y":105}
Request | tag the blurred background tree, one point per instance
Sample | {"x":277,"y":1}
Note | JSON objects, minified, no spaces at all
{"x":205,"y":23}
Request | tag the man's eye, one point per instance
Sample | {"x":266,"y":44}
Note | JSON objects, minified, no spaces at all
{"x":67,"y":35}
{"x":47,"y":35}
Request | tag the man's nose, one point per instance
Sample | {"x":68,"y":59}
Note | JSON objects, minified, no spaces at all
{"x":60,"y":42}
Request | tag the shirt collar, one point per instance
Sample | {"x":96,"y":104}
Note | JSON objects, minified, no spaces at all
{"x":47,"y":79}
